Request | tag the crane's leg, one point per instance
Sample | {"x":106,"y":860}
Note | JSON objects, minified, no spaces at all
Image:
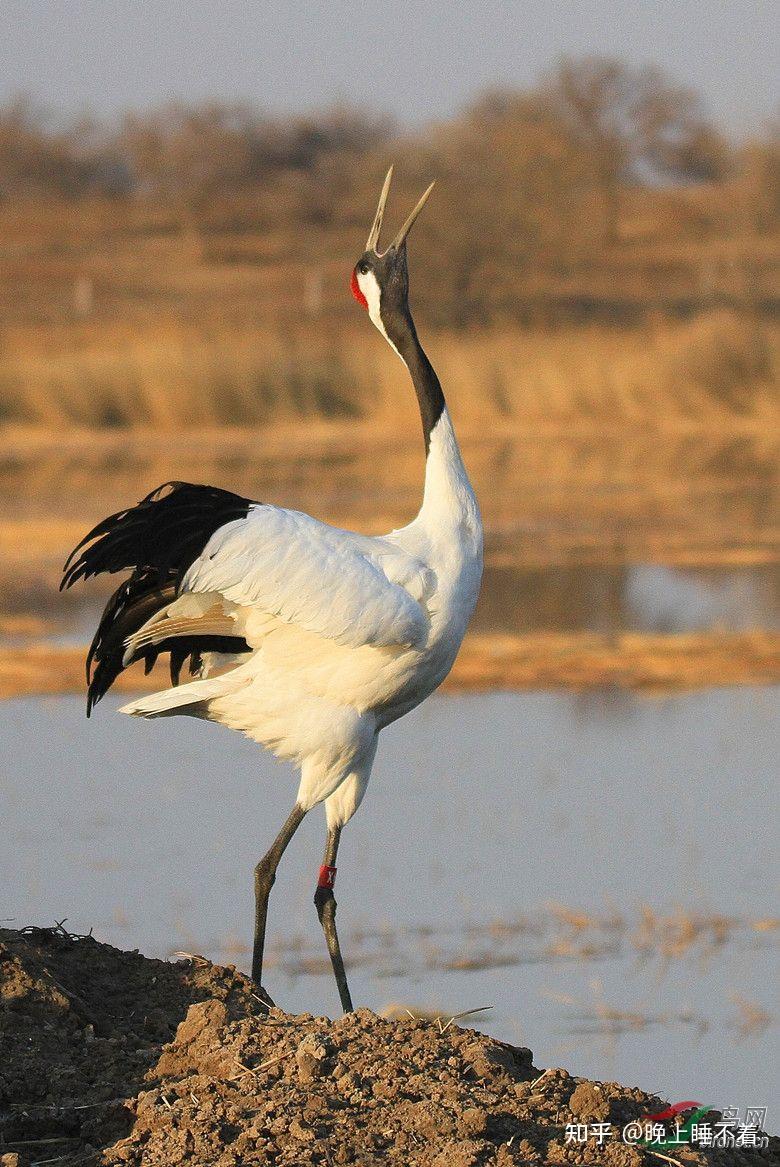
{"x":325,"y":902}
{"x":265,"y":875}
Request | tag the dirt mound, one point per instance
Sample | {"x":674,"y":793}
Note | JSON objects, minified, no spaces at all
{"x":81,"y":1027}
{"x":111,"y":1058}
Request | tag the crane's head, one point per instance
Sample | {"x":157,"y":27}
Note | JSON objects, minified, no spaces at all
{"x":380,"y":279}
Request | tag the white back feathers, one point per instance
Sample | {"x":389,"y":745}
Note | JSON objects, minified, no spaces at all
{"x":344,"y":587}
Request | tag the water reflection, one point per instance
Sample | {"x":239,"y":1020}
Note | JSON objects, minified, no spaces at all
{"x":584,"y":531}
{"x":662,"y":599}
{"x":642,"y":597}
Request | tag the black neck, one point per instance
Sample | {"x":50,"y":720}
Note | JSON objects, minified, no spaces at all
{"x":426,"y":384}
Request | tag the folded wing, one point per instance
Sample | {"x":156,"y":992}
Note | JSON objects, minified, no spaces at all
{"x":202,"y":559}
{"x":347,"y":588}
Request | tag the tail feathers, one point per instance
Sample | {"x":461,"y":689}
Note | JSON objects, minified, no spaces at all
{"x":180,"y":699}
{"x":129,"y":608}
{"x":156,"y":540}
{"x":163,"y":533}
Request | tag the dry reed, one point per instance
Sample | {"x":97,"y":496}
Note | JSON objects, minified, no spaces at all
{"x":178,"y":376}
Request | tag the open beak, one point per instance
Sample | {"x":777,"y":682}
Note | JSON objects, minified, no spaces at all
{"x":400,"y":239}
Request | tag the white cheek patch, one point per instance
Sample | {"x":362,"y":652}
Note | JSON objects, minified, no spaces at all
{"x":369,"y":286}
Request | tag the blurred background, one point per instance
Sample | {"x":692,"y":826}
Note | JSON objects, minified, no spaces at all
{"x":184,"y":190}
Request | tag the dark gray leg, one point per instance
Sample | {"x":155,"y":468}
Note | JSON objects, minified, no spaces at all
{"x":325,"y":902}
{"x":265,"y":875}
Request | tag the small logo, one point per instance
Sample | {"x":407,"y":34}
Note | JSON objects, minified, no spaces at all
{"x":672,"y":1111}
{"x":683,"y":1132}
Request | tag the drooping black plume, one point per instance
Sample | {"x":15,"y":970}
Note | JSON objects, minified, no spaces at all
{"x":157,"y":540}
{"x":164,"y":532}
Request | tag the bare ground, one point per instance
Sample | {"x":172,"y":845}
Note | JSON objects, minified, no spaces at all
{"x":111,"y":1058}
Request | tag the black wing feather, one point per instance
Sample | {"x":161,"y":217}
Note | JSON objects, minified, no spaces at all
{"x":156,"y":540}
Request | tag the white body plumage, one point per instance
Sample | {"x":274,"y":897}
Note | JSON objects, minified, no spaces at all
{"x":347,"y":632}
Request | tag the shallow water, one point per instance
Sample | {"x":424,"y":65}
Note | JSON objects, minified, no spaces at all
{"x":481,"y":811}
{"x":585,"y":530}
{"x":642,"y":597}
{"x":638,"y":597}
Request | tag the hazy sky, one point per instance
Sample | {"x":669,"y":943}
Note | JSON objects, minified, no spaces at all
{"x":421,"y":59}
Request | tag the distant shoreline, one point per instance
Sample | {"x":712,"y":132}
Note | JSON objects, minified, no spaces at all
{"x":646,"y":663}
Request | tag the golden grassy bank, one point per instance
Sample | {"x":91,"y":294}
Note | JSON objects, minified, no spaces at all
{"x":544,"y":660}
{"x":716,"y":370}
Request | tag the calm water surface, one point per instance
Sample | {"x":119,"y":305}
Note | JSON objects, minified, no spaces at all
{"x":481,"y":811}
{"x":585,"y":530}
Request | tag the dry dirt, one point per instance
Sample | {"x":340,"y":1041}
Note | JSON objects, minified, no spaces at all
{"x":108,"y":1057}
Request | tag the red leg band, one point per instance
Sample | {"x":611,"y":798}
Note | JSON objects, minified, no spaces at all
{"x":327,"y":876}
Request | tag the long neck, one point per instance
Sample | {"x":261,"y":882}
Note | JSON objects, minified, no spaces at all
{"x":427,"y":386}
{"x":448,"y":497}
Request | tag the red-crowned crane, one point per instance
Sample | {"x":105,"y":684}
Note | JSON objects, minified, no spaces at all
{"x":307,"y":638}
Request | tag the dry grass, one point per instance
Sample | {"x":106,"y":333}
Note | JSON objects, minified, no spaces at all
{"x":178,"y":376}
{"x":598,"y":1018}
{"x":701,"y":372}
{"x":544,"y":660}
{"x":674,"y":935}
{"x":752,"y":1019}
{"x":173,"y":377}
{"x":653,"y":663}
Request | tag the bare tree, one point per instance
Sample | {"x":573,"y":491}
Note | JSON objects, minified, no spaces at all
{"x":41,"y":156}
{"x":758,"y":181}
{"x":512,"y":204}
{"x":635,"y":123}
